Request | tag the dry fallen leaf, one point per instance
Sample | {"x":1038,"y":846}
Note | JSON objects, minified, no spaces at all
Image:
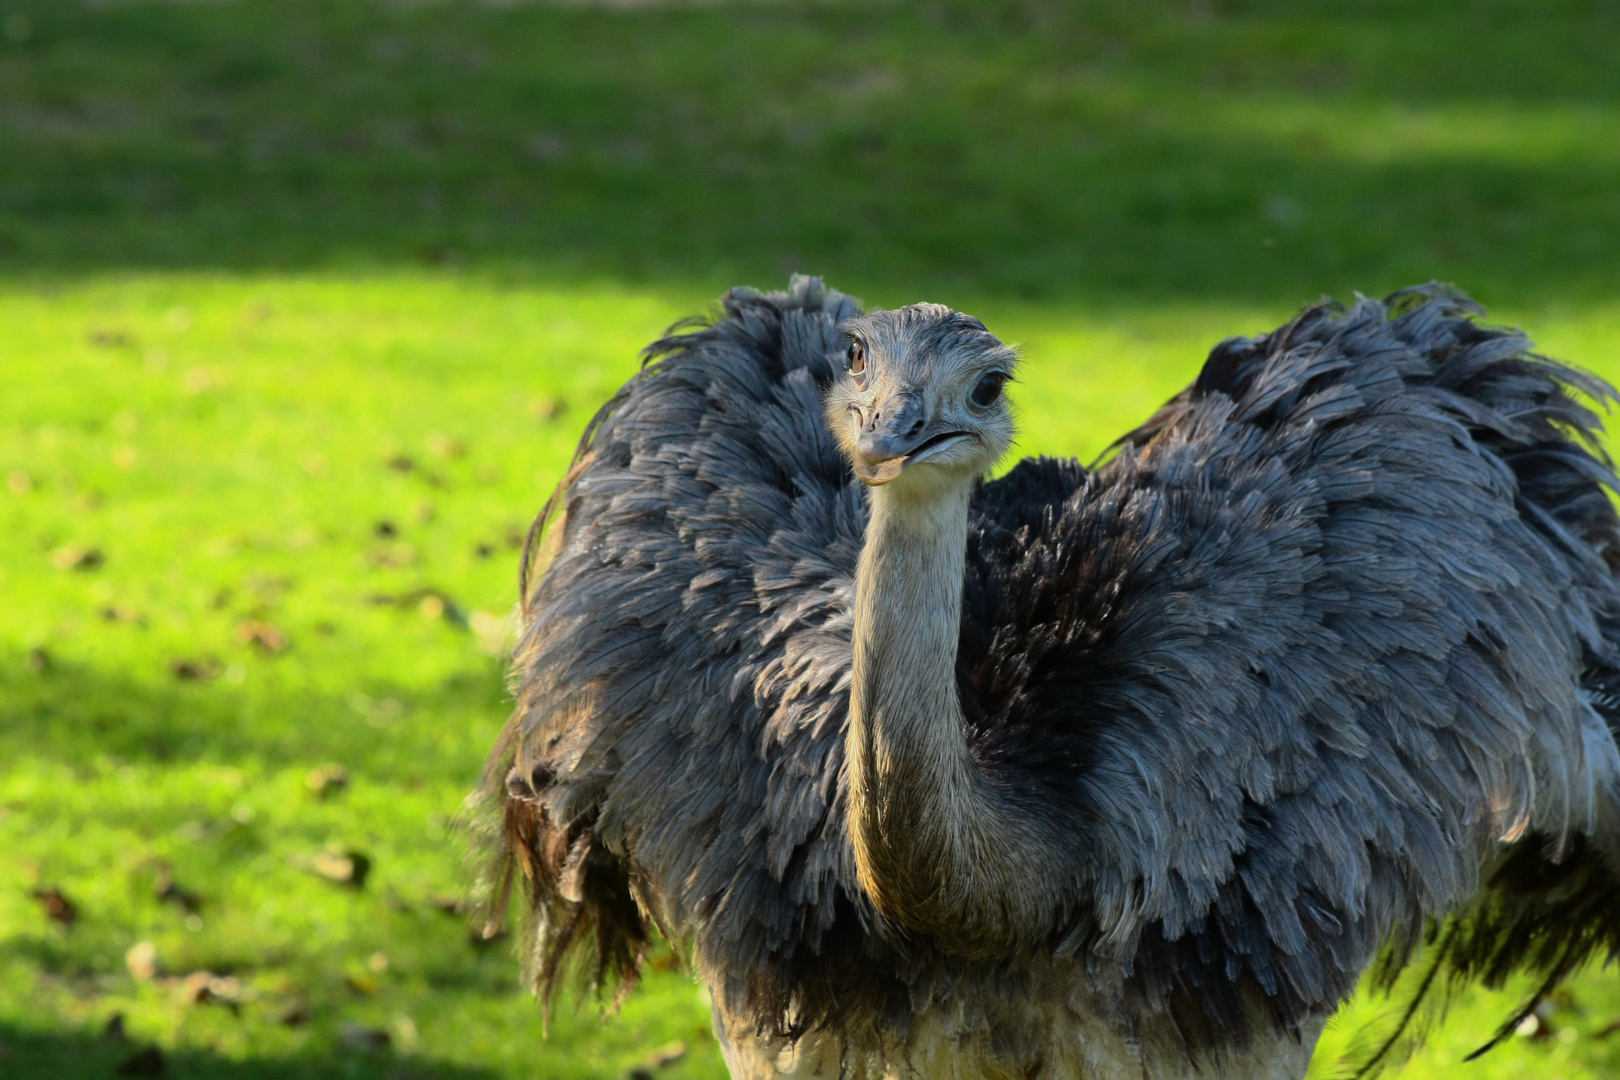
{"x":142,"y":961}
{"x":170,"y":890}
{"x":432,"y":604}
{"x":194,"y":669}
{"x":228,"y":989}
{"x":58,"y":908}
{"x":325,"y":781}
{"x":393,"y":555}
{"x":344,"y":867}
{"x":123,"y":613}
{"x":194,"y":987}
{"x":77,"y":557}
{"x":267,"y":638}
{"x":665,"y":1055}
{"x":546,"y":409}
{"x":296,"y":1014}
{"x":206,"y":988}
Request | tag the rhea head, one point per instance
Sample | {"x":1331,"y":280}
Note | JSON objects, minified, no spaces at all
{"x":920,"y":405}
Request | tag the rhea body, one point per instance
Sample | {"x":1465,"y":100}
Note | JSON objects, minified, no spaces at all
{"x":1119,"y":773}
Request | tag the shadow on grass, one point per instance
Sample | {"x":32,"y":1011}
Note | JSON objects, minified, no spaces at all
{"x":38,"y":1055}
{"x":1227,"y":150}
{"x":74,"y":714}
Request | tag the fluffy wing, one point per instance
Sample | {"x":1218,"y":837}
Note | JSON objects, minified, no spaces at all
{"x":676,"y":753}
{"x":1308,"y":652}
{"x":682,"y":674}
{"x":1298,"y":659}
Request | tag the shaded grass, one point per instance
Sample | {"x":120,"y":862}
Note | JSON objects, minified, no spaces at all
{"x":1232,"y":151}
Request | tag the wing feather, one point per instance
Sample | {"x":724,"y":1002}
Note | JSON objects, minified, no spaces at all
{"x":1308,"y":651}
{"x":1315,"y":653}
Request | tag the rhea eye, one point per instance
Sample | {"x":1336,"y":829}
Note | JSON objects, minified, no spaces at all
{"x":988,"y":389}
{"x":856,"y":361}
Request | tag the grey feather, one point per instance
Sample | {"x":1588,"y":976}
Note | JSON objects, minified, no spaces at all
{"x":1323,"y":654}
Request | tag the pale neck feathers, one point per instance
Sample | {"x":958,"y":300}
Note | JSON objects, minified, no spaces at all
{"x":936,"y":845}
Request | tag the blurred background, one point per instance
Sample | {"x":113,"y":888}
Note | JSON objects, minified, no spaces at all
{"x":304,"y":303}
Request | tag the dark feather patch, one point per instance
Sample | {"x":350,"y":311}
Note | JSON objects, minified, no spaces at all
{"x":1314,"y":650}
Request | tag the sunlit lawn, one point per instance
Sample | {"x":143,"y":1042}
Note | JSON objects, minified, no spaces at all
{"x":303,"y":307}
{"x":344,"y":469}
{"x":348,"y":464}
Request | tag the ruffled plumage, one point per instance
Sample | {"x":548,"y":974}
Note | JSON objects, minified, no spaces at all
{"x":1324,"y":653}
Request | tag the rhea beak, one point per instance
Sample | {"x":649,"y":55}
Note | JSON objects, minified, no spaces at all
{"x":897,"y":436}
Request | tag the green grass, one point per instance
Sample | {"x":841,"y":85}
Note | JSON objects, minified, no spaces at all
{"x":274,"y":275}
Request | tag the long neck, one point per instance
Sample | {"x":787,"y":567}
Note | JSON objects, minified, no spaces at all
{"x":937,"y":848}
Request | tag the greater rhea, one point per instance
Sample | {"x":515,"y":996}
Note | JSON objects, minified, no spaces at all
{"x":1129,"y":771}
